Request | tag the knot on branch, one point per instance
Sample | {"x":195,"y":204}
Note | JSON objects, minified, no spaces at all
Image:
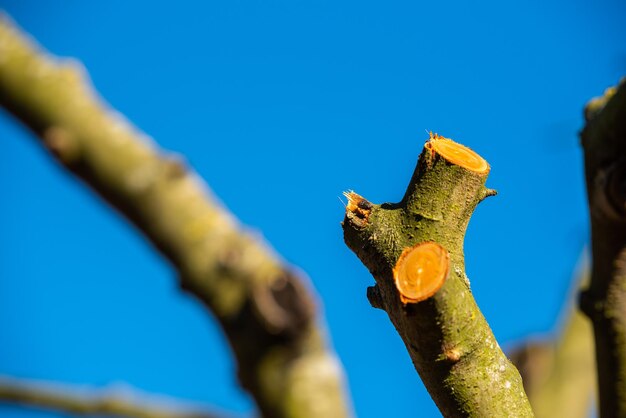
{"x":283,"y":305}
{"x":62,"y":144}
{"x":609,"y":192}
{"x":175,"y":166}
{"x":616,"y":188}
{"x":374,"y":297}
{"x":451,"y":354}
{"x":486,"y":192}
{"x":590,"y":304}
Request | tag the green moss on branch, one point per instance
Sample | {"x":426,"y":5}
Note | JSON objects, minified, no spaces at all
{"x":447,"y":337}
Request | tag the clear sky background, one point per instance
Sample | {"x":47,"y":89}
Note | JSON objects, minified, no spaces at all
{"x":278,"y":101}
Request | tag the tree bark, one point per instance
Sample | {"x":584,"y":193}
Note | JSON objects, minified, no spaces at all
{"x":265,"y":310}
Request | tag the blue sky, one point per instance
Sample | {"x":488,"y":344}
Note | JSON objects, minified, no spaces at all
{"x":272,"y":101}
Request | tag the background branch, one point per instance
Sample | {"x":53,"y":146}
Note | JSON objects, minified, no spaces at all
{"x":604,"y":301}
{"x":265,"y":310}
{"x":559,"y":374}
{"x":121,"y":402}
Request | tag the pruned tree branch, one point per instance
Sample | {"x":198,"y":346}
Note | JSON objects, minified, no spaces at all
{"x":122,"y":403}
{"x":265,"y":310}
{"x":559,"y":374}
{"x":604,"y":302}
{"x":408,"y":247}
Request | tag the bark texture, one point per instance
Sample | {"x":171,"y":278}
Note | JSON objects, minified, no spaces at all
{"x":604,"y":302}
{"x":265,"y":310}
{"x":446,"y":335}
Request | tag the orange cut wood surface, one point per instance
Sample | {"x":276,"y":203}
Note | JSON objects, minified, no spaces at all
{"x":457,"y":154}
{"x":420,"y":271}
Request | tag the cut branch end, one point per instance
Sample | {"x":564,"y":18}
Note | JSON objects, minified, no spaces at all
{"x":420,"y":271}
{"x":457,"y":154}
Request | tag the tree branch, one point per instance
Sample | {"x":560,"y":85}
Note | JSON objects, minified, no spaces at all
{"x":604,"y":302}
{"x":266,"y":311}
{"x":559,"y":375}
{"x":446,"y":335}
{"x":124,"y":403}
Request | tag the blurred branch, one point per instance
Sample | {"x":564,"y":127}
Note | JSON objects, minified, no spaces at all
{"x":414,"y":250}
{"x":559,"y":375}
{"x":123,"y":403}
{"x":604,"y":301}
{"x":265,"y":309}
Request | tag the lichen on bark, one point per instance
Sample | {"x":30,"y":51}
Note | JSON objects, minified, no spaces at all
{"x":449,"y":341}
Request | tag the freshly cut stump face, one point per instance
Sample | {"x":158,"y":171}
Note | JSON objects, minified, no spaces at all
{"x":420,"y":271}
{"x":457,"y":154}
